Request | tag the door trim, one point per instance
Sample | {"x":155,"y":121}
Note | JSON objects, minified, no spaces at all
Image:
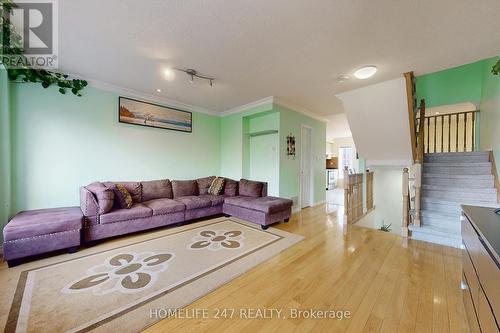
{"x":311,"y":168}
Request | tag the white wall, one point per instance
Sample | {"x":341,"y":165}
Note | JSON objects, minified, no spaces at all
{"x":378,"y":118}
{"x":337,"y":127}
{"x":387,"y":198}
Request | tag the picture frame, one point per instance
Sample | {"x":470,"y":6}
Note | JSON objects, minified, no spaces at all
{"x":136,"y":112}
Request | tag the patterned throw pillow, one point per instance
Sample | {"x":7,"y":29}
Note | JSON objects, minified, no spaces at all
{"x":123,"y":196}
{"x":217,"y":186}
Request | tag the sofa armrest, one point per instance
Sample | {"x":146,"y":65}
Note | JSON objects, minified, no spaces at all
{"x":88,"y":203}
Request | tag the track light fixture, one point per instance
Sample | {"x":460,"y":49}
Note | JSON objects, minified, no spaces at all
{"x":191,"y":73}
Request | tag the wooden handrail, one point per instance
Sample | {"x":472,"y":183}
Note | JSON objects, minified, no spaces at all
{"x":410,"y":97}
{"x":421,"y":134}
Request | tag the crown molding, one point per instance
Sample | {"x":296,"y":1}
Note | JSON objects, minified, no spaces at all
{"x":245,"y":107}
{"x":125,"y":92}
{"x":272,"y":100}
{"x":299,"y":109}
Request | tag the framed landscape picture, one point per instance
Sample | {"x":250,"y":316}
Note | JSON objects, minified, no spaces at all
{"x":136,"y":112}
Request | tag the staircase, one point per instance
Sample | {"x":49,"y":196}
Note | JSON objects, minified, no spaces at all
{"x":448,"y":181}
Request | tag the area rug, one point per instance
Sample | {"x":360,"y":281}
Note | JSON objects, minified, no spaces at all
{"x":123,"y":289}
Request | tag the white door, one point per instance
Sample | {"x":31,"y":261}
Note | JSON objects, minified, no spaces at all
{"x":305,"y":167}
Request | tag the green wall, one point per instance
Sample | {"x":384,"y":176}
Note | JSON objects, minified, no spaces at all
{"x":234,"y":153}
{"x":62,"y":142}
{"x":490,"y":110}
{"x":5,"y":151}
{"x":451,"y":86}
{"x":263,"y":150}
{"x":290,"y":122}
{"x":51,"y":144}
{"x":469,"y":83}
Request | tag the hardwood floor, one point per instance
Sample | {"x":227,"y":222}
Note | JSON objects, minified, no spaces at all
{"x":386,"y":284}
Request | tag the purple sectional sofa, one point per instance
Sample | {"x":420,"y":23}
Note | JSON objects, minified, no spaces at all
{"x":164,"y":202}
{"x":155,"y":203}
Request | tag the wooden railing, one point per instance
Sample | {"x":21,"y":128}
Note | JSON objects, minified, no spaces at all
{"x":369,"y":190}
{"x":353,"y":196}
{"x":455,"y":132}
{"x":413,"y":111}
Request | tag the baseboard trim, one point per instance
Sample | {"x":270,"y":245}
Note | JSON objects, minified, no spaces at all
{"x":319,"y":203}
{"x":297,"y":209}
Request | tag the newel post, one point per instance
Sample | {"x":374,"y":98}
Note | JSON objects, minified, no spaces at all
{"x":347,"y":209}
{"x":418,"y":190}
{"x":406,"y":203}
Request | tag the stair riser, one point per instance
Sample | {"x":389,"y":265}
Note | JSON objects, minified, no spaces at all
{"x":436,"y":240}
{"x":476,"y":157}
{"x":453,"y":225}
{"x":458,"y":170}
{"x":447,"y":209}
{"x":459,"y":196}
{"x":455,"y":182}
{"x":459,"y":189}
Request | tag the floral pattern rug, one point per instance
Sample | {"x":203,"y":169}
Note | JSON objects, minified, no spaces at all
{"x":115,"y":290}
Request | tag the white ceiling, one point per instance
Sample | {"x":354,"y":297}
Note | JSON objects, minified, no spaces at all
{"x":291,"y":49}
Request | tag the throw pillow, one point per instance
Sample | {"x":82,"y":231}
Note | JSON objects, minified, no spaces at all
{"x":249,"y":188}
{"x":204,"y":184}
{"x":123,"y":196}
{"x":217,"y":186}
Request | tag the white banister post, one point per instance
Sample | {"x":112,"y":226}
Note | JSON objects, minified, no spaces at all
{"x":406,"y":208}
{"x":346,"y":195}
{"x":418,"y":193}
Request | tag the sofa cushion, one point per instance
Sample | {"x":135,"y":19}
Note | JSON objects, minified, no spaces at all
{"x":183,"y":188}
{"x":230,"y":187}
{"x":134,"y":188}
{"x":105,"y":196}
{"x":43,"y":222}
{"x":204,"y":184}
{"x":267,"y":205}
{"x":249,"y":188}
{"x":164,"y":206}
{"x":137,"y":211}
{"x":217,"y":186}
{"x":156,"y":189}
{"x":194,"y":202}
{"x":215,"y":200}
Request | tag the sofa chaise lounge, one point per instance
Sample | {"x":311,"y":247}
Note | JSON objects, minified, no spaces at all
{"x":154,"y":204}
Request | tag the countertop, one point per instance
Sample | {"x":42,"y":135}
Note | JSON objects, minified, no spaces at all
{"x":487,"y":225}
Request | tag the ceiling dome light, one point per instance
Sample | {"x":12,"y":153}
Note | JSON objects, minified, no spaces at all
{"x":168,"y":74}
{"x":365,"y":72}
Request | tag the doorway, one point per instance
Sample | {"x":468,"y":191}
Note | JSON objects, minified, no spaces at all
{"x":306,"y":186}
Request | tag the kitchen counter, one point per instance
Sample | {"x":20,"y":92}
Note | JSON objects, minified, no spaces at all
{"x":487,"y":225}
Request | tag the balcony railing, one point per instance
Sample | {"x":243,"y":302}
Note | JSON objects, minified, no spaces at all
{"x":449,"y":133}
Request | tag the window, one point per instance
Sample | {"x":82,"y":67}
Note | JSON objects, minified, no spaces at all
{"x":346,"y":159}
